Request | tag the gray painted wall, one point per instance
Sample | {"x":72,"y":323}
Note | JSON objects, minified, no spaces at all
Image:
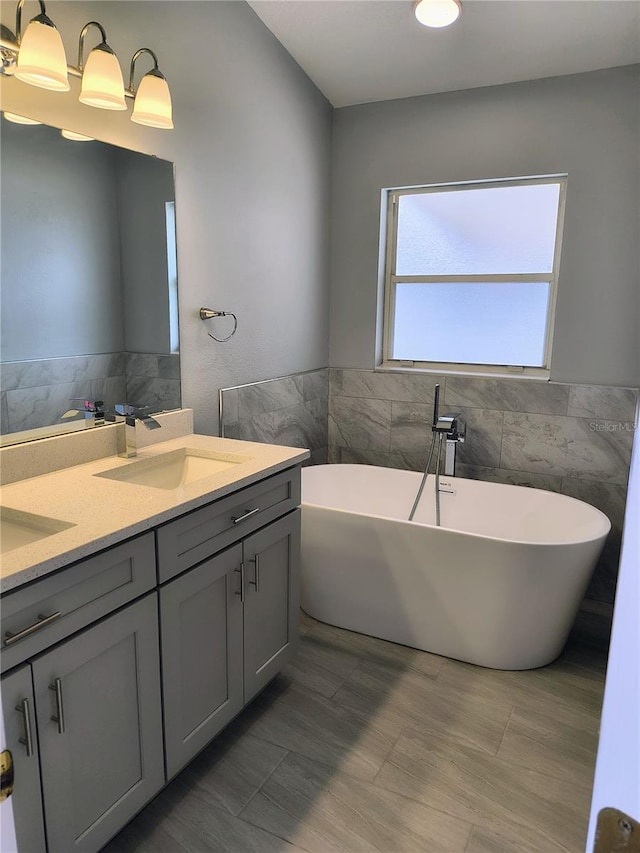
{"x":61,"y":291}
{"x":252,"y":154}
{"x":586,"y":125}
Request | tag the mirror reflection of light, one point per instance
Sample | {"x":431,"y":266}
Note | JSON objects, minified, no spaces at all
{"x":76,"y":137}
{"x":18,"y":119}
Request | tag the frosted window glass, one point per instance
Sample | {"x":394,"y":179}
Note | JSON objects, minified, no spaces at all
{"x":478,"y":232}
{"x":474,"y":323}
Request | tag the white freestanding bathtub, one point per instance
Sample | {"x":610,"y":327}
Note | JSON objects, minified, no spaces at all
{"x":498,"y":584}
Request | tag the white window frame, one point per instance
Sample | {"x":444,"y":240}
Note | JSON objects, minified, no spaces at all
{"x":391,"y":280}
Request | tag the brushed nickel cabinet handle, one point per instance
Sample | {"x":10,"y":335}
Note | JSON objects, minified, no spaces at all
{"x":241,"y":592}
{"x":57,"y":689}
{"x":27,"y":740}
{"x":10,"y":638}
{"x":256,"y":581}
{"x":238,"y":518}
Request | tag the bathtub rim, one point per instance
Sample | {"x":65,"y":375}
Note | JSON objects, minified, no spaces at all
{"x":415,"y":524}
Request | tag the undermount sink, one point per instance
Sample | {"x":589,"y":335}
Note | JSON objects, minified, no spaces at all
{"x":18,"y":528}
{"x":174,"y":469}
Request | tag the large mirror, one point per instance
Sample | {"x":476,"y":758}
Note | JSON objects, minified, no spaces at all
{"x":89,"y":303}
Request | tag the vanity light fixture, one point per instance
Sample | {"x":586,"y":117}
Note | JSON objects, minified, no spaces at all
{"x":41,"y":58}
{"x":76,"y":137}
{"x":102,"y":83}
{"x":38,"y":58}
{"x":17,"y":119}
{"x":152,"y":105}
{"x":437,"y":13}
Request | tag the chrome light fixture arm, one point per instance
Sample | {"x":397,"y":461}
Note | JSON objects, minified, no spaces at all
{"x":43,"y":14}
{"x":130,"y":90}
{"x":83,"y":32}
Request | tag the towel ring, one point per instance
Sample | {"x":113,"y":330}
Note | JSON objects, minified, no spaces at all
{"x":209,"y":314}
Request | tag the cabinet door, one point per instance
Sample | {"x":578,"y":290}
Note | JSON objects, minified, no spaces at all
{"x":100,"y":728}
{"x":272,"y":601}
{"x":22,"y":739}
{"x":201,"y":633}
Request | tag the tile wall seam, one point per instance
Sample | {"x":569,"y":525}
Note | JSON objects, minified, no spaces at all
{"x":501,"y":442}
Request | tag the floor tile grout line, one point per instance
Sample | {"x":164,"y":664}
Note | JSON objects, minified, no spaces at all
{"x":386,"y":758}
{"x":336,"y":706}
{"x":257,"y":826}
{"x":474,"y":826}
{"x":513,"y":707}
{"x":286,"y":841}
{"x":338,"y":687}
{"x":409,"y":731}
{"x":539,"y":697}
{"x":342,"y":683}
{"x":529,"y":825}
{"x":262,"y":784}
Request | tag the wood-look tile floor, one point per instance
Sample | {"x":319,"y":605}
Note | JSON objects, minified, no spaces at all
{"x":362,"y":745}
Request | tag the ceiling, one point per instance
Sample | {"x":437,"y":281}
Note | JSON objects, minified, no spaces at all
{"x":358,"y":51}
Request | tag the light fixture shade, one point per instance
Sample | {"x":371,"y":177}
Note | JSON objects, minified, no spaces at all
{"x":102,"y":84}
{"x":17,"y":119}
{"x":41,"y":59}
{"x":437,"y":13}
{"x":152,"y":105}
{"x":76,"y":137}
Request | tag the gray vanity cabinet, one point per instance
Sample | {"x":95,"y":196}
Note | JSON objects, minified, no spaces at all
{"x":271,"y":606}
{"x":100,"y":727}
{"x":201,"y":629}
{"x":22,"y":739}
{"x":228,"y":626}
{"x":82,"y":650}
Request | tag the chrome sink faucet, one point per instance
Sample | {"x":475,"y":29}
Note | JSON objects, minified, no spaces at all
{"x":128,"y":414}
{"x":92,"y":411}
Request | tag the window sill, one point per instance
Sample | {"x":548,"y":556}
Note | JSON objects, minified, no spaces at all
{"x":537,"y":374}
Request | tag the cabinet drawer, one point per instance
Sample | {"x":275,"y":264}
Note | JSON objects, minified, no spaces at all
{"x":200,"y":534}
{"x":60,"y":604}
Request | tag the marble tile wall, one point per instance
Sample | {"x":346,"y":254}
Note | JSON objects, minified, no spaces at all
{"x":289,"y":411}
{"x":37,"y":393}
{"x":153,"y":380}
{"x":574,"y":439}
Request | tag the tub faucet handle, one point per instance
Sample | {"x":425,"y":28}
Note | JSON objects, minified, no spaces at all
{"x":452,"y":424}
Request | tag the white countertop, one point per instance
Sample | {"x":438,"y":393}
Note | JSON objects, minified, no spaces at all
{"x":105,"y":512}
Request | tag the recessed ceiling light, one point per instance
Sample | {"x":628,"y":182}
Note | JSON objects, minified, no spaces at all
{"x":437,"y":13}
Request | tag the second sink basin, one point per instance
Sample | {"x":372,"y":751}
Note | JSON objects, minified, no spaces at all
{"x":19,"y":528}
{"x":175,"y":468}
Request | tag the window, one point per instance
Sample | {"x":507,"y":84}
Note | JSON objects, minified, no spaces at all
{"x":470,"y":275}
{"x":172,"y":274}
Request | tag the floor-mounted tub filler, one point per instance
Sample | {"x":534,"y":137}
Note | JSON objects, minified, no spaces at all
{"x":498,"y":584}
